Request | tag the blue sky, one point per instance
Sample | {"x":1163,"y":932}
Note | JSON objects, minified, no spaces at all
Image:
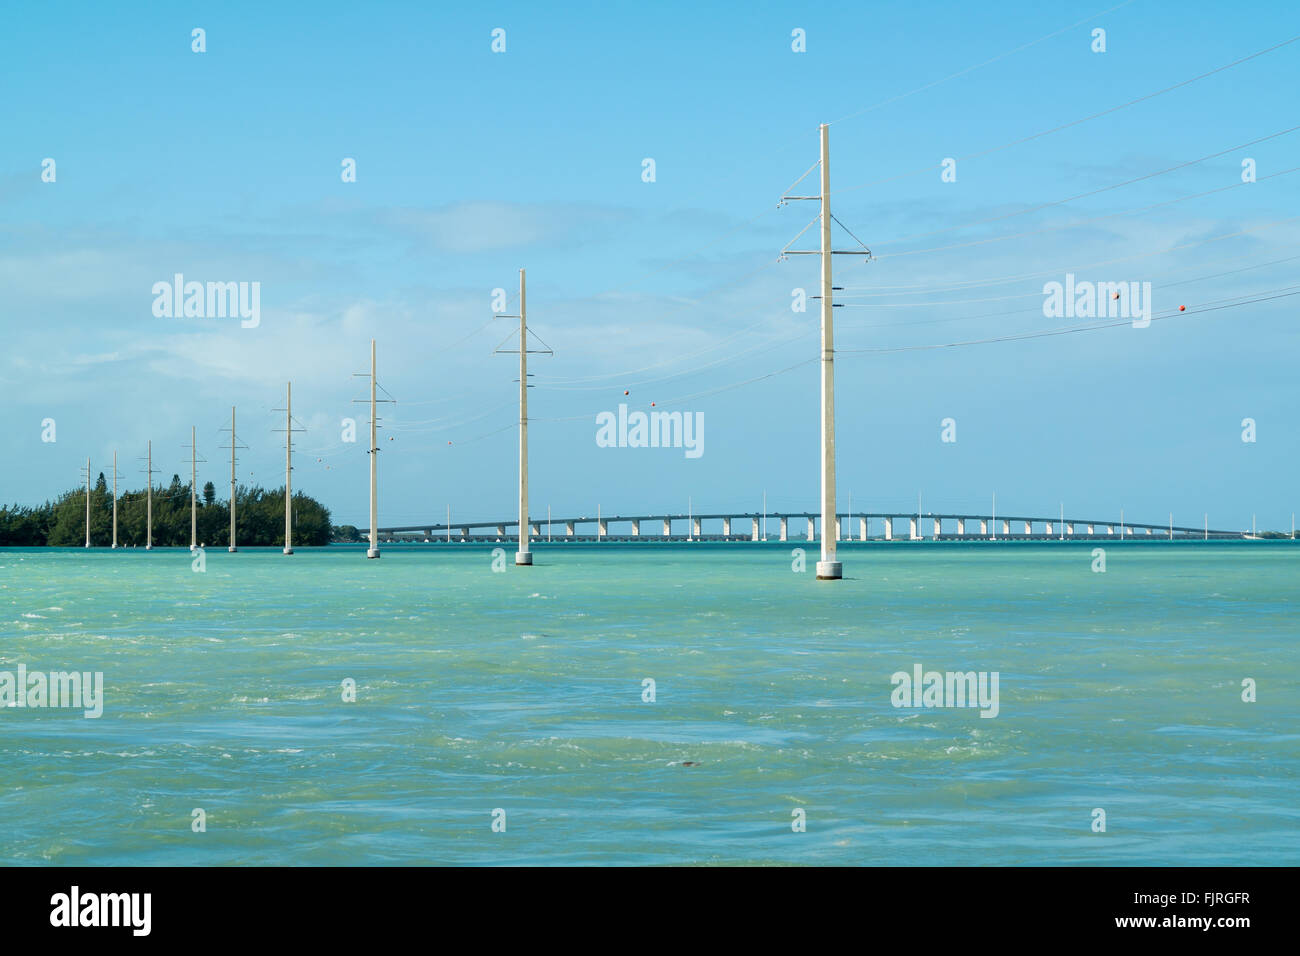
{"x":225,"y":166}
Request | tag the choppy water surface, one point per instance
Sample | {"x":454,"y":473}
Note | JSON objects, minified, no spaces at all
{"x":523,"y":691}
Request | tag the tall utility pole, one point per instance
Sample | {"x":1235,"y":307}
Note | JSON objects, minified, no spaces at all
{"x":233,"y":445}
{"x":194,"y":501}
{"x":523,"y":556}
{"x":194,"y":491}
{"x":148,"y":526}
{"x":87,"y":502}
{"x":114,"y":498}
{"x":373,"y":550}
{"x":828,"y":568}
{"x":288,"y":466}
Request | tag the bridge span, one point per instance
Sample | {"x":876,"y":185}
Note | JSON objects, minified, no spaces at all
{"x":803,"y":526}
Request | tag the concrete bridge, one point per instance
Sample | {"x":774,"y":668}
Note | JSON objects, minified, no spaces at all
{"x":803,"y":526}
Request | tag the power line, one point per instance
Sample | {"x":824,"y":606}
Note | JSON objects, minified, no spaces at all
{"x":977,"y":66}
{"x":1063,"y":126}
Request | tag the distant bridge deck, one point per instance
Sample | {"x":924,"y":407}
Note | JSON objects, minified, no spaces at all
{"x":754,"y":526}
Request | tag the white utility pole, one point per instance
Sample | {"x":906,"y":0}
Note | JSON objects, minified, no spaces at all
{"x":828,"y":568}
{"x":194,"y":490}
{"x":372,"y":551}
{"x":87,"y":502}
{"x":523,"y":556}
{"x":288,"y":466}
{"x":233,"y":548}
{"x":194,"y":500}
{"x":148,"y":533}
{"x":115,"y":498}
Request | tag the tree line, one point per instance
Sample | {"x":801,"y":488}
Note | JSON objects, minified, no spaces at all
{"x":259,"y":515}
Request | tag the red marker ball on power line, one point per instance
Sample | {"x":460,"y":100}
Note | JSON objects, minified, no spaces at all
{"x":1182,"y":308}
{"x":624,"y":391}
{"x":652,"y":404}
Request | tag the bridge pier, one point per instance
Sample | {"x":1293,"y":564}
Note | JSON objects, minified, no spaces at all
{"x":1049,"y":527}
{"x":1006,"y":528}
{"x":812,"y":529}
{"x":984,"y":528}
{"x":1029,"y":528}
{"x":636,"y":529}
{"x":914,"y":535}
{"x":1069,"y":529}
{"x":536,"y":528}
{"x":1092,"y":529}
{"x":726,"y":527}
{"x":501,"y":531}
{"x":754,"y":534}
{"x":668,"y":527}
{"x":938,"y":528}
{"x":464,"y":534}
{"x":568,"y":529}
{"x":862,"y":529}
{"x":602,"y":528}
{"x":785,"y":528}
{"x":889,"y":528}
{"x":695,"y":527}
{"x":961,"y":527}
{"x":838,"y":536}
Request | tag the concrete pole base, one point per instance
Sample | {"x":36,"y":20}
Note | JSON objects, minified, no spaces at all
{"x":372,"y":552}
{"x":148,"y":547}
{"x":523,"y":557}
{"x":232,"y":549}
{"x":829,"y":570}
{"x":288,"y":550}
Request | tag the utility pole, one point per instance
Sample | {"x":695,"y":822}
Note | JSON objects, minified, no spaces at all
{"x":288,"y":466}
{"x":233,"y":445}
{"x":373,"y":550}
{"x":828,"y":568}
{"x":87,"y":502}
{"x":114,"y":498}
{"x":994,"y":516}
{"x":523,"y":556}
{"x":194,"y":500}
{"x":148,"y":526}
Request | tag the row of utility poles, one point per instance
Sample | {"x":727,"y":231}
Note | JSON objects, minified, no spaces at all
{"x":828,"y":568}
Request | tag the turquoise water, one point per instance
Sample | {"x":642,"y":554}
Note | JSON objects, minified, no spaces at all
{"x":522,"y":691}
